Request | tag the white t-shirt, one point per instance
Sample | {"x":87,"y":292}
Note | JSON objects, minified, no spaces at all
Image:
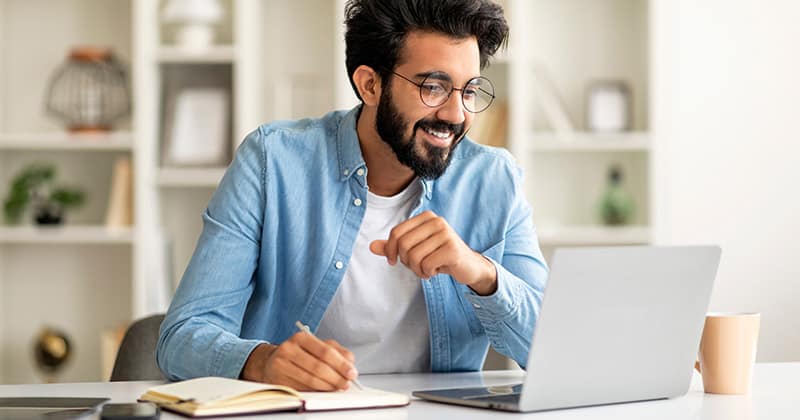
{"x":378,"y":311}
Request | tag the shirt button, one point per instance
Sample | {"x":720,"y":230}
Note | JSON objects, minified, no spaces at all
{"x":360,"y":172}
{"x":357,"y":201}
{"x":476,"y":306}
{"x":339,"y":265}
{"x":346,"y":172}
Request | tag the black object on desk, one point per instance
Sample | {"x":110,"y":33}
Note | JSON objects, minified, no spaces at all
{"x":21,"y":408}
{"x":130,"y":411}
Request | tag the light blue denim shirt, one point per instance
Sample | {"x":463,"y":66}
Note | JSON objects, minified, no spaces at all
{"x":279,"y":231}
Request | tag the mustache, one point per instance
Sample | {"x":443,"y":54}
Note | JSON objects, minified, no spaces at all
{"x":439,"y":125}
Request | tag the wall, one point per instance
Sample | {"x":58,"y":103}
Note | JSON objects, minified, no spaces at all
{"x":725,"y":107}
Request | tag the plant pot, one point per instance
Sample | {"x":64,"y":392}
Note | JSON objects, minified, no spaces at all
{"x":48,"y":216}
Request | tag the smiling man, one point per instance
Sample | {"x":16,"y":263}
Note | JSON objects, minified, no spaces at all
{"x":405,"y":246}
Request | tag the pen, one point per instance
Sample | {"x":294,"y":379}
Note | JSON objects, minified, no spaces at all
{"x":304,"y":328}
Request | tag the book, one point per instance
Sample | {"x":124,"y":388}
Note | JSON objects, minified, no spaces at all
{"x":120,"y":197}
{"x":550,"y":101}
{"x":214,"y":396}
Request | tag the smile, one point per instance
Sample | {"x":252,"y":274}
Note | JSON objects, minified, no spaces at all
{"x":438,"y":138}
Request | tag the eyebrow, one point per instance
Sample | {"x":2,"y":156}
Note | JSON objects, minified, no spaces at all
{"x":438,"y":75}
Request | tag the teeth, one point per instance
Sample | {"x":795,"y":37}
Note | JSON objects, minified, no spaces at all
{"x":438,"y":134}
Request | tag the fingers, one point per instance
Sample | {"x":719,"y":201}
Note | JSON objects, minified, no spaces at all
{"x":347,"y":354}
{"x":307,"y":363}
{"x":330,"y":363}
{"x":423,"y":251}
{"x":431,"y":230}
{"x":438,"y":261}
{"x":427,"y":245}
{"x":377,"y":247}
{"x":399,"y":231}
{"x":296,"y":376}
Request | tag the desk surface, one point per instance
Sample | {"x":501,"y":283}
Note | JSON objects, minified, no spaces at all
{"x":775,"y":395}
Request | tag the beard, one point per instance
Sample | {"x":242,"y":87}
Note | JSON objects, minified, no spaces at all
{"x":391,"y":126}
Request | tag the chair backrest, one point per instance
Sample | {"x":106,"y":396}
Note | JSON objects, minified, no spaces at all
{"x":136,"y":358}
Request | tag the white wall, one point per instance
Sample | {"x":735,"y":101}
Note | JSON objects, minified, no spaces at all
{"x":726,"y":91}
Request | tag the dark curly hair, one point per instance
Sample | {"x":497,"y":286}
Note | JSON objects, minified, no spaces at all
{"x":377,"y":29}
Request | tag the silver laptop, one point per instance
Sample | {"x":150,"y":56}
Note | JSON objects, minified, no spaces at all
{"x":617,"y":324}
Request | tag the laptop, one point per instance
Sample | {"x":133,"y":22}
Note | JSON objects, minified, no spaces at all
{"x":617,"y":324}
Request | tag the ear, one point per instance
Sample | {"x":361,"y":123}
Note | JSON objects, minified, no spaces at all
{"x":368,"y":83}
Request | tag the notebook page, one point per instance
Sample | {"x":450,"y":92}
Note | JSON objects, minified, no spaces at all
{"x":213,"y":389}
{"x":352,"y":398}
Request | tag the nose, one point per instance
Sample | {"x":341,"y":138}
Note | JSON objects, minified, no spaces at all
{"x":453,"y":110}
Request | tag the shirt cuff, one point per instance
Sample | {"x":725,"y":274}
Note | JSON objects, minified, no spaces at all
{"x":232,"y":357}
{"x":502,"y":303}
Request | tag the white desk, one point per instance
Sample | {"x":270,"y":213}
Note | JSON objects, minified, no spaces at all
{"x":775,"y":395}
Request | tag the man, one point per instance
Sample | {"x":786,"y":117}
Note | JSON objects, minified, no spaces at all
{"x":402,"y":244}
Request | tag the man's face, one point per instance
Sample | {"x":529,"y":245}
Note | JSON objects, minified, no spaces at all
{"x":423,"y":138}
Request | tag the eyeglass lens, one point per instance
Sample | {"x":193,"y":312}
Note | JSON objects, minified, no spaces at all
{"x":476,"y":95}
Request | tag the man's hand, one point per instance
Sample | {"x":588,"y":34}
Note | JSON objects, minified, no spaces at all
{"x":428,"y":246}
{"x":303,"y":362}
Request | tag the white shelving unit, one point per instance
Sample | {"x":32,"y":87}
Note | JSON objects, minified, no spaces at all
{"x":175,"y":192}
{"x":273,"y":76}
{"x":216,"y":54}
{"x":65,"y":235}
{"x":76,"y":277}
{"x":62,"y":141}
{"x":576,"y":43}
{"x":589,"y":142}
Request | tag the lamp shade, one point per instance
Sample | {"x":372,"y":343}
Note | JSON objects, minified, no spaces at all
{"x":193,"y":11}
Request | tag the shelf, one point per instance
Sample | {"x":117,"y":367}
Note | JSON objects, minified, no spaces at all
{"x":70,"y":234}
{"x":216,"y":54}
{"x":593,"y":235}
{"x":634,"y":141}
{"x":113,"y":141}
{"x":190,"y":177}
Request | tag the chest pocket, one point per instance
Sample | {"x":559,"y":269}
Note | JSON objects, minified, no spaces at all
{"x":495,"y":252}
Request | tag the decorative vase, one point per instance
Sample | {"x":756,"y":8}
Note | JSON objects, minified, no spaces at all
{"x":51,"y":351}
{"x":616,"y":205}
{"x":90,"y":91}
{"x":196,"y":18}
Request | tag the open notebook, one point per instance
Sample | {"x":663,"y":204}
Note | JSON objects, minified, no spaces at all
{"x":212,"y":396}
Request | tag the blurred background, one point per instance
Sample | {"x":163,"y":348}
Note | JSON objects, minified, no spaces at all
{"x":636,"y":122}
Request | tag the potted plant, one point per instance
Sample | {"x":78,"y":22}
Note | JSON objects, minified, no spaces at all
{"x":34,"y":187}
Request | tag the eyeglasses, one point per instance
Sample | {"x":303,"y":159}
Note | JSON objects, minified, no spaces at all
{"x":436,"y":88}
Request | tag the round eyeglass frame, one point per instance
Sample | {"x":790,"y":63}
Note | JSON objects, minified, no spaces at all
{"x":452,"y":88}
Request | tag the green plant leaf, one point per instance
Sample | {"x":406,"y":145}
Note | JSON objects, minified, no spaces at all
{"x":67,"y":197}
{"x":34,"y":178}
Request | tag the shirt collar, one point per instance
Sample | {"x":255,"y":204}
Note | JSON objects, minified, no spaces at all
{"x":427,"y":187}
{"x":350,"y":157}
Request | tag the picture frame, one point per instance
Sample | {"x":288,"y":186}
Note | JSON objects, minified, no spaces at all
{"x":196,"y":129}
{"x":609,"y":106}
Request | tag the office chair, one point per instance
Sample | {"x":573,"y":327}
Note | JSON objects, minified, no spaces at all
{"x":136,"y":358}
